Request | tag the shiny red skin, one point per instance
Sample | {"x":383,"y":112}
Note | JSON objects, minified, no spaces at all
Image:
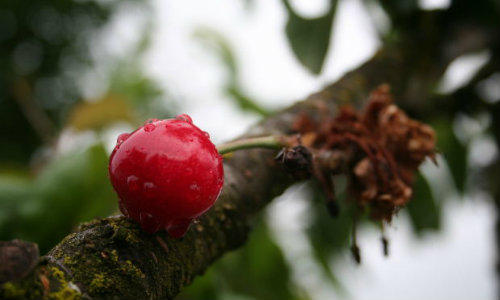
{"x":166,"y":173}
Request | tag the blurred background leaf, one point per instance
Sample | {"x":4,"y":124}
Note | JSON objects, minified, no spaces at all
{"x":233,"y":89}
{"x":424,"y":210}
{"x":43,"y":43}
{"x":96,"y":115}
{"x":454,"y":151}
{"x":309,"y":38}
{"x":329,"y":237}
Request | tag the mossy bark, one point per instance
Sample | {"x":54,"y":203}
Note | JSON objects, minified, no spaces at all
{"x":112,"y":258}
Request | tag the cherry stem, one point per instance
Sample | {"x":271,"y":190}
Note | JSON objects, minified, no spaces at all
{"x":269,"y":142}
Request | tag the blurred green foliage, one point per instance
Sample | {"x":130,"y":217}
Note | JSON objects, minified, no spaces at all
{"x":41,"y":42}
{"x":69,"y":190}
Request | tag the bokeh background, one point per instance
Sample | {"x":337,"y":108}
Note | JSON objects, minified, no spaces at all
{"x":75,"y":74}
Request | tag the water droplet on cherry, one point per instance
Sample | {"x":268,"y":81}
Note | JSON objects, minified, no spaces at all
{"x":149,"y":121}
{"x":123,"y":208}
{"x":149,"y":127}
{"x":149,"y":189}
{"x":178,"y":228}
{"x":148,"y":222}
{"x":206,"y":134}
{"x":185,"y":118}
{"x":121,"y":138}
{"x":133,"y":183}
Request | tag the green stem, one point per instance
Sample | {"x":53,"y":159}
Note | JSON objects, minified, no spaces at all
{"x":270,"y":142}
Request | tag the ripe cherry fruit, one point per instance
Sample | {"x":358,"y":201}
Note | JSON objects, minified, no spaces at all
{"x":166,"y":173}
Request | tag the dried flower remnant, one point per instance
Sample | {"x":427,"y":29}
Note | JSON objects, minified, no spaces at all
{"x":296,"y":161}
{"x":382,"y":148}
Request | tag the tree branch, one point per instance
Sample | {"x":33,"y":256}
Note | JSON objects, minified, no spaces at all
{"x":113,"y":258}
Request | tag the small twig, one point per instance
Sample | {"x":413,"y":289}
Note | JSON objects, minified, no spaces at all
{"x":34,"y":114}
{"x":385,"y":241}
{"x":269,"y":142}
{"x":356,"y":253}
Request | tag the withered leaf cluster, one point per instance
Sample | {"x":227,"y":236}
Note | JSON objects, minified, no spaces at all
{"x":382,"y":148}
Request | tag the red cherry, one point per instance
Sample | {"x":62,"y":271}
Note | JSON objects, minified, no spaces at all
{"x":166,"y":173}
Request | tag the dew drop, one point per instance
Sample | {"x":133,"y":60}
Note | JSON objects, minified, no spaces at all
{"x":121,"y":138}
{"x":194,"y":187}
{"x":206,"y":134}
{"x":178,"y":228}
{"x":123,"y":208}
{"x":148,"y":222}
{"x":149,"y":127}
{"x":133,"y":183}
{"x":149,"y":189}
{"x":149,"y":121}
{"x":185,"y":118}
